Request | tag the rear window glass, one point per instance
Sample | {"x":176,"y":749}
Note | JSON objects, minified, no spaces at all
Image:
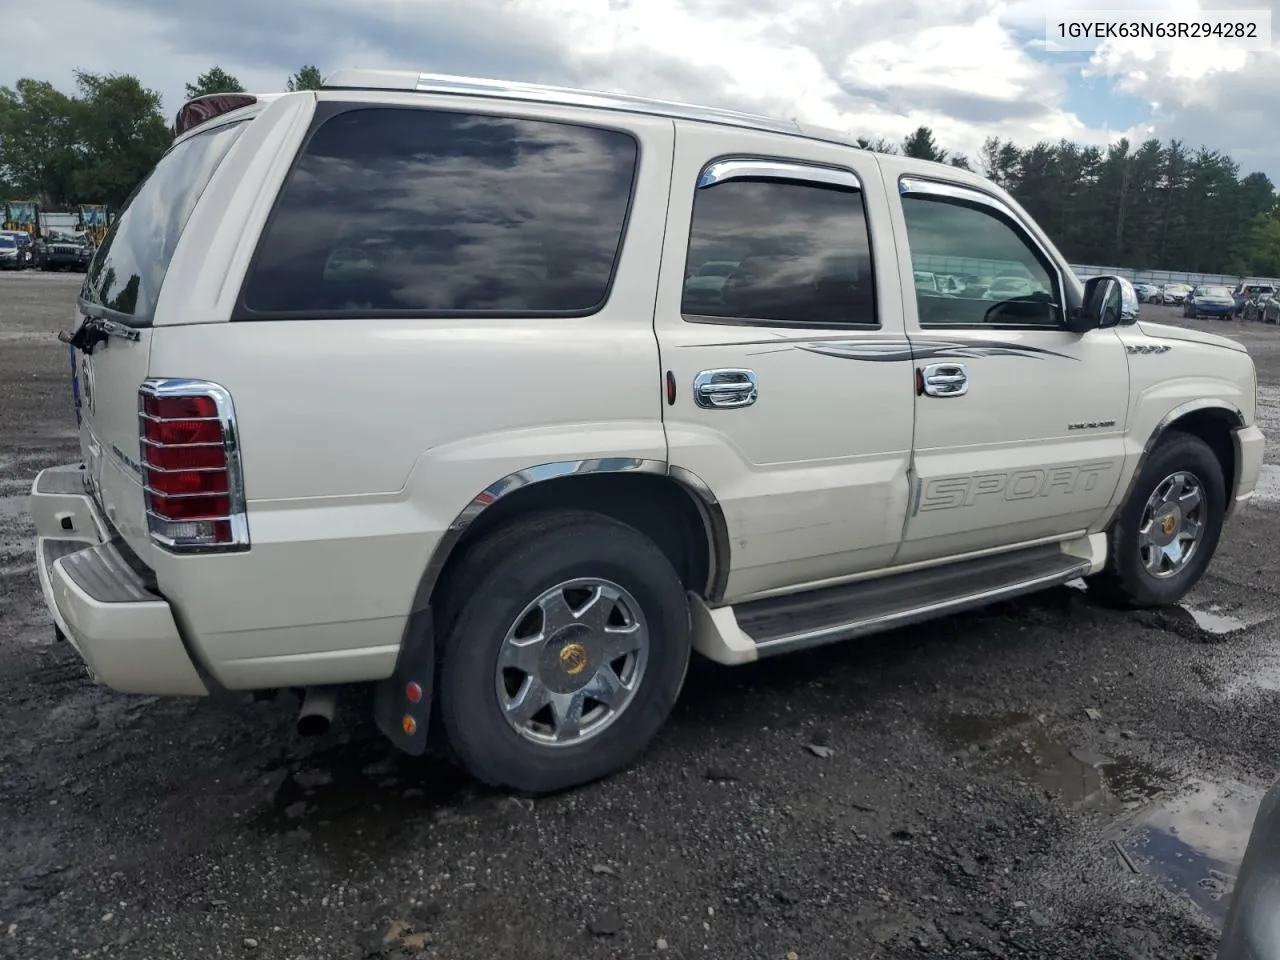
{"x":410,"y":211}
{"x":800,"y":253}
{"x":126,"y":275}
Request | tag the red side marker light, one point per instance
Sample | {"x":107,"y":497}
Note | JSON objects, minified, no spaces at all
{"x":671,"y":388}
{"x":413,"y":691}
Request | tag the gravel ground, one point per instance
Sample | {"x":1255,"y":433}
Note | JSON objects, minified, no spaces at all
{"x":1044,"y":778}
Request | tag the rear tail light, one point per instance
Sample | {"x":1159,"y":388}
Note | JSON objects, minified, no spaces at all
{"x":191,"y":462}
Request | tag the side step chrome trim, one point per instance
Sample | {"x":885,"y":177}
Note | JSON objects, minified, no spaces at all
{"x":872,"y":607}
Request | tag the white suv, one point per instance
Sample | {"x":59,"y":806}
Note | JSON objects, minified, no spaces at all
{"x":404,"y":382}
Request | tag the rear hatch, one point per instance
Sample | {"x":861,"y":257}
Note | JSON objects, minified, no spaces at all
{"x":111,"y":348}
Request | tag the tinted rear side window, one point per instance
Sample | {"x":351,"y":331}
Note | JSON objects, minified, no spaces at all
{"x":796,"y":253}
{"x":415,"y":212}
{"x":126,"y":275}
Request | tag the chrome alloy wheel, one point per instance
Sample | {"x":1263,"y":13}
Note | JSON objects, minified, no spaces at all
{"x":1172,"y":526}
{"x":572,"y":662}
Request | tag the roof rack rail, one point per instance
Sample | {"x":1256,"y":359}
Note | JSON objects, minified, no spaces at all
{"x":408,"y":80}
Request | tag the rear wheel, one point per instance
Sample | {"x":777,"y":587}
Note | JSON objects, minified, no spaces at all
{"x":565,"y":644}
{"x":1167,"y":531}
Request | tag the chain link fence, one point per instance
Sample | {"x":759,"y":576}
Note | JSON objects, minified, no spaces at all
{"x":1161,"y":277}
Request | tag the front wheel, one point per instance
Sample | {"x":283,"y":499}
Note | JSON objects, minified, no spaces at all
{"x":1167,"y":531}
{"x":566,"y":639}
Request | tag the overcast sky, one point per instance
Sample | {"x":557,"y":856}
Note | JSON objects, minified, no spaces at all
{"x":877,"y":68}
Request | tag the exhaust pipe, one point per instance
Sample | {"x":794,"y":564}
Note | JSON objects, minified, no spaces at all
{"x":316,"y":713}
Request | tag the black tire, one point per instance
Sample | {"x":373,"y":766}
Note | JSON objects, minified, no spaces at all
{"x":485,"y":594}
{"x":1124,"y":580}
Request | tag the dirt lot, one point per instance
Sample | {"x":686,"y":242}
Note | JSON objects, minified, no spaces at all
{"x":1041,"y":779}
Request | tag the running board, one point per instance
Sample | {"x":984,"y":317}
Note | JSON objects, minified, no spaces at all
{"x":783,"y":624}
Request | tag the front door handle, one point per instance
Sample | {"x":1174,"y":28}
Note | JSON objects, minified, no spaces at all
{"x":725,"y":389}
{"x":945,"y":380}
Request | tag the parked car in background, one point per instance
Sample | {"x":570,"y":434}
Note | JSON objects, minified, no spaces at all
{"x":63,"y":251}
{"x":1247,"y":291}
{"x":1155,"y":293}
{"x":1174,"y":293}
{"x":23,"y":240}
{"x":925,"y":280}
{"x":949,"y":283}
{"x":1209,"y":301}
{"x":1271,"y":311}
{"x":1009,"y":288}
{"x":1145,"y":291}
{"x":1253,"y":307}
{"x":1130,"y":306}
{"x":10,"y":254}
{"x":710,"y":277}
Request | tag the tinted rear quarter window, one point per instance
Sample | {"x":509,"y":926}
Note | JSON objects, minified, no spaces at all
{"x":407,"y":211}
{"x":797,"y":253}
{"x":126,"y":275}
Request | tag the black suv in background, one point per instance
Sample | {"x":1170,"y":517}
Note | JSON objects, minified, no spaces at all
{"x":63,"y":251}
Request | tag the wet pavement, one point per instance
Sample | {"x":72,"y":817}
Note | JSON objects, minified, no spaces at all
{"x":1194,"y":841}
{"x":1047,"y":778}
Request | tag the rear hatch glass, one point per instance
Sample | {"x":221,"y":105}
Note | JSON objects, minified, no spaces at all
{"x":120,"y":293}
{"x":125,"y":278}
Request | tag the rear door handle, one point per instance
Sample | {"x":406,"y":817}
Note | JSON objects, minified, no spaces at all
{"x":945,"y":380}
{"x":725,"y":389}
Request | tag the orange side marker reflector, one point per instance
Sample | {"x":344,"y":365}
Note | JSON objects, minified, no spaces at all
{"x":409,"y":724}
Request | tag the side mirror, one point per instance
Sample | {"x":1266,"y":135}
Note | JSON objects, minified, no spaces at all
{"x":1103,"y":303}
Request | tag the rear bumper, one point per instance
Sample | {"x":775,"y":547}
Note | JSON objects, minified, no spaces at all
{"x":125,"y":633}
{"x":1250,"y":445}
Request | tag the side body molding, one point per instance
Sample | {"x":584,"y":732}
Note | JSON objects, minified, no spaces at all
{"x":717,"y":531}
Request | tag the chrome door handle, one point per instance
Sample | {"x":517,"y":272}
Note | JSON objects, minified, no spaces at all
{"x":725,"y":389}
{"x":945,"y":380}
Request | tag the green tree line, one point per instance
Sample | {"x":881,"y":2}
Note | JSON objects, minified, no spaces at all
{"x":1154,"y":206}
{"x":93,"y":145}
{"x":1163,"y":206}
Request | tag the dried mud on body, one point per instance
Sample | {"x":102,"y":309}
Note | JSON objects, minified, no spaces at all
{"x":1045,"y":778}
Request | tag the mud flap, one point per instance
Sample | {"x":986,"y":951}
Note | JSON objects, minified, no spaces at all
{"x":402,"y":720}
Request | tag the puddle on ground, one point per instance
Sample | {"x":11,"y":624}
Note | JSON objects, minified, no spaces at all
{"x":1079,"y":777}
{"x":1212,"y":621}
{"x":1018,"y":744}
{"x":13,"y":506}
{"x":1191,"y":841}
{"x":1194,"y":842}
{"x":1263,"y":678}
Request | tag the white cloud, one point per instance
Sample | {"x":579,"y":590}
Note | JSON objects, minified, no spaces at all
{"x":877,"y":68}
